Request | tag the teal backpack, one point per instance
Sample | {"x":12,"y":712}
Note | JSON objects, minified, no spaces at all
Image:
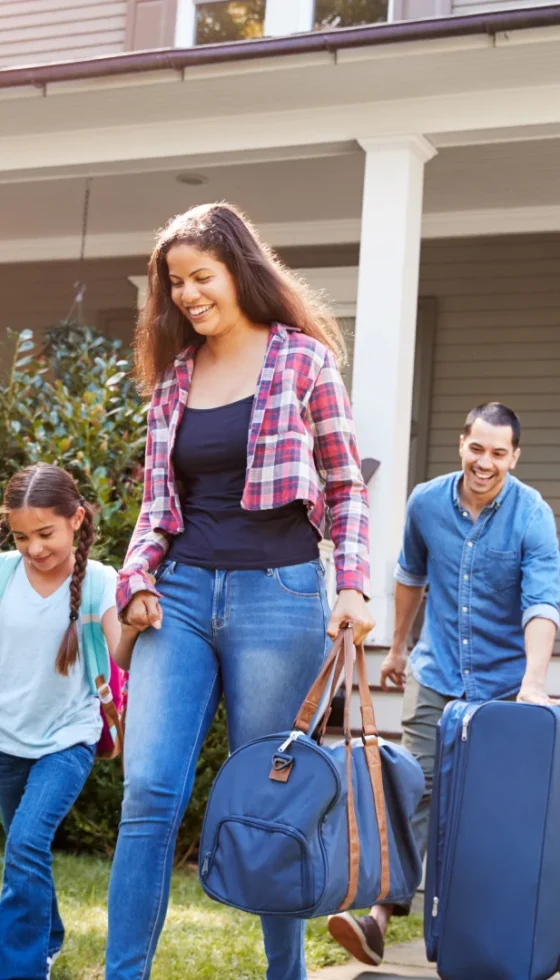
{"x":105,"y":678}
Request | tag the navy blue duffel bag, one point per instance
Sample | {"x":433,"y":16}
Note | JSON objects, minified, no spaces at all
{"x":298,"y":828}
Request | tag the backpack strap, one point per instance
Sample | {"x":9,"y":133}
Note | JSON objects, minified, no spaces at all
{"x":9,"y":560}
{"x":94,"y":644}
{"x":95,"y":650}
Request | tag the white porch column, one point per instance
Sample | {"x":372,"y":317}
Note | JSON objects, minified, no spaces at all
{"x":288,"y":17}
{"x":384,"y":347}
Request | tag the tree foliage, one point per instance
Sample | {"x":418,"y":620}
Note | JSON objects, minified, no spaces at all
{"x":69,"y":399}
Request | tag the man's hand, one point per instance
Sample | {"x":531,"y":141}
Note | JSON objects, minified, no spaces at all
{"x":143,"y":611}
{"x":393,"y":667}
{"x":535,"y":694}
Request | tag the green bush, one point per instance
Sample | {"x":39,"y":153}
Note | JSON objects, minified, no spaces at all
{"x":93,"y":823}
{"x":70,"y":400}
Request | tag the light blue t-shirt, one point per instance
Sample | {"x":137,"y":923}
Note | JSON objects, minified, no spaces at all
{"x":41,"y":711}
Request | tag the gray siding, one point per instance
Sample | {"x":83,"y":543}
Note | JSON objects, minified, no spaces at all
{"x":482,"y":6}
{"x":37,"y":31}
{"x":497,"y":338}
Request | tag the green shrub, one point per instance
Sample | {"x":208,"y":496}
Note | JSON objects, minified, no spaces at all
{"x":93,"y":823}
{"x":70,"y":400}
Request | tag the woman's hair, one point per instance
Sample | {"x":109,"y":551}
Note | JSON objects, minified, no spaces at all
{"x":267,"y":292}
{"x":47,"y":486}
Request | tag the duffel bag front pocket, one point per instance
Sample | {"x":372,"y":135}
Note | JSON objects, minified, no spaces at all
{"x":259,"y":867}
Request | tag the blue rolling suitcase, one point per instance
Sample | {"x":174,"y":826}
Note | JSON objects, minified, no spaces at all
{"x":492,"y":901}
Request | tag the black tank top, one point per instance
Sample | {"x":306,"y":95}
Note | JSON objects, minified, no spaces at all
{"x":210,"y":460}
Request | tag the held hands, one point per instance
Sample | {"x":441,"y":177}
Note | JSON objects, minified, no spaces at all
{"x":393,"y":667}
{"x":351,"y":608}
{"x":143,"y":611}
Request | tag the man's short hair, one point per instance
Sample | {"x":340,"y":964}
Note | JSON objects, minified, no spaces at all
{"x":494,"y":413}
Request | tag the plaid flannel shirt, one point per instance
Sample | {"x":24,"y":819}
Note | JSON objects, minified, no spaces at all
{"x":301,"y":447}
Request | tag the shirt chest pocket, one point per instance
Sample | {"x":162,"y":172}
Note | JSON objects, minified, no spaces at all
{"x":501,"y":570}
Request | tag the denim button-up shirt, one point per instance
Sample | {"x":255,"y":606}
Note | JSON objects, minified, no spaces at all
{"x":487,"y":579}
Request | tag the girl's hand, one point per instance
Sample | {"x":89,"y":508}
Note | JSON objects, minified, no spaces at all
{"x":122,"y":654}
{"x":351,"y":609}
{"x":143,"y":611}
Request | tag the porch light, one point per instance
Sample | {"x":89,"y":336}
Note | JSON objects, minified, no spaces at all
{"x":191,"y":179}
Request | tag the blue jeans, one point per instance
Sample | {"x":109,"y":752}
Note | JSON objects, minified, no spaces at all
{"x":260,"y":636}
{"x":35,"y":796}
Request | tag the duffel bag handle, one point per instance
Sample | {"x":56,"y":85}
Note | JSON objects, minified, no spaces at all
{"x":341,"y":657}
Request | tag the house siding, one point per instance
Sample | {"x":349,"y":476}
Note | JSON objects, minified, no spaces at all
{"x":38,"y":31}
{"x":497,"y":338}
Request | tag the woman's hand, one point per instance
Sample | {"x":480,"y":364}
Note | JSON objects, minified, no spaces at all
{"x":143,"y":611}
{"x":351,"y":609}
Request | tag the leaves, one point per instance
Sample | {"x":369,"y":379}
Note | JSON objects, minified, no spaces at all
{"x":71,"y":400}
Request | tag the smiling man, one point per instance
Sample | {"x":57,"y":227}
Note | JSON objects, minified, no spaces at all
{"x":487,"y":547}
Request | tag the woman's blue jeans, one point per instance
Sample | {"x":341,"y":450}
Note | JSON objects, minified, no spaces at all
{"x":260,"y":636}
{"x":35,"y":796}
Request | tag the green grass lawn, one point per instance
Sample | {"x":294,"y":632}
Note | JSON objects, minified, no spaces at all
{"x":201,"y":940}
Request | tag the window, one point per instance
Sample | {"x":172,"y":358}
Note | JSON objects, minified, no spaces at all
{"x":349,"y":13}
{"x":229,"y":20}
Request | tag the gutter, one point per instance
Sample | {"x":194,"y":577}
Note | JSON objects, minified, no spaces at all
{"x":178,"y":59}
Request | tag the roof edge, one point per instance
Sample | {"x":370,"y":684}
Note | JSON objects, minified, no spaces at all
{"x":177,"y":59}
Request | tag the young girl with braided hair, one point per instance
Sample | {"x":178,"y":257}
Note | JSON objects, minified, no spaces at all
{"x":49,"y":719}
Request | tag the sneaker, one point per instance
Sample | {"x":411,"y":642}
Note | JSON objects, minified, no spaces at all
{"x":51,"y":961}
{"x":362,"y":938}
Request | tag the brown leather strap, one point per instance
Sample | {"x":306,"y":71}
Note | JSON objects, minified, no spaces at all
{"x":111,"y":715}
{"x":309,"y":707}
{"x":353,"y":835}
{"x":341,"y":657}
{"x":373,"y":759}
{"x":337,"y":670}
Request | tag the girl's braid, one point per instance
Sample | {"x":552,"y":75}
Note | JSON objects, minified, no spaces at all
{"x":69,"y":649}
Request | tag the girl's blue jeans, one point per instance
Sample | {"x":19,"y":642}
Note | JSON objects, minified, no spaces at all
{"x":35,"y":796}
{"x":258,"y":636}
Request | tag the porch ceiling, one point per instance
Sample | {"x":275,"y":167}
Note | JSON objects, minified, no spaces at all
{"x":279,"y":193}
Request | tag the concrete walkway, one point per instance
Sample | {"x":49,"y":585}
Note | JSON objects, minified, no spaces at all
{"x":404,"y":960}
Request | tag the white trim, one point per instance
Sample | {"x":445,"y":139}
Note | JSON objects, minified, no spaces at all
{"x":491,"y":221}
{"x":140,"y":283}
{"x":142,"y":242}
{"x":456,"y":113}
{"x":185,"y":24}
{"x":416,"y":143}
{"x":339,"y":283}
{"x":342,"y":231}
{"x":285,"y":17}
{"x":199,"y":161}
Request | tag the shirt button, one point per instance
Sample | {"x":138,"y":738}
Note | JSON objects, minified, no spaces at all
{"x":465,"y":642}
{"x":465,"y":514}
{"x":470,"y":544}
{"x":467,"y":671}
{"x":465,"y":577}
{"x":465,"y":608}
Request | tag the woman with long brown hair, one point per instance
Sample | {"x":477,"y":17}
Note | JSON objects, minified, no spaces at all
{"x":250,"y":438}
